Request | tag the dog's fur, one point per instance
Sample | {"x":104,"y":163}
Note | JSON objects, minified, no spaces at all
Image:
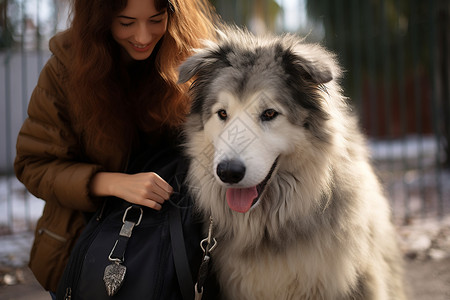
{"x":272,"y":107}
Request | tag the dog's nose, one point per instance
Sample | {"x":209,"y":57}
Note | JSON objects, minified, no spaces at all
{"x":231,"y":171}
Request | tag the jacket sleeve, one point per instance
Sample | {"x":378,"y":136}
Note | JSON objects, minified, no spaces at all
{"x":49,"y":160}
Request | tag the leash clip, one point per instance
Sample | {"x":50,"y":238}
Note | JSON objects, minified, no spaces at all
{"x":209,"y":239}
{"x":211,"y":244}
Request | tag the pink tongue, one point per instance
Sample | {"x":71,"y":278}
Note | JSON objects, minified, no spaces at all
{"x":241,"y":200}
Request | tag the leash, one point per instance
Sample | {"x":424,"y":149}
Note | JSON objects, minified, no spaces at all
{"x":208,"y":245}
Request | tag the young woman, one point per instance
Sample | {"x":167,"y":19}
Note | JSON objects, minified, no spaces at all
{"x":108,"y":91}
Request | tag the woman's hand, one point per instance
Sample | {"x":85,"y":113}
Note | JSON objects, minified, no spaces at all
{"x":147,"y":189}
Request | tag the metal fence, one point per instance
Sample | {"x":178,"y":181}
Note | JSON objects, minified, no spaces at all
{"x":395,"y":53}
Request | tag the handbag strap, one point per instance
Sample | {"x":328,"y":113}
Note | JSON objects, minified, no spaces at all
{"x":118,"y":252}
{"x":179,"y":254}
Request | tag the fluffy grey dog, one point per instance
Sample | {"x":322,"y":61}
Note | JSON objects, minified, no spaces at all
{"x":280,"y":165}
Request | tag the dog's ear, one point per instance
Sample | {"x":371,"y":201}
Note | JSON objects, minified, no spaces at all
{"x":193,"y":65}
{"x":316,"y":72}
{"x":314,"y":63}
{"x":205,"y":61}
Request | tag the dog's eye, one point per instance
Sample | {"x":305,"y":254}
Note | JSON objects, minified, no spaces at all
{"x":222,"y":114}
{"x":269,"y":114}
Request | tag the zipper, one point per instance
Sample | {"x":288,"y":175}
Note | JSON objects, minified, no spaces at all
{"x":102,"y":210}
{"x":68,"y":294}
{"x":52,"y":234}
{"x":71,"y":278}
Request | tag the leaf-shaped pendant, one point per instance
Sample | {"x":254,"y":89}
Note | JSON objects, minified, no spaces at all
{"x":113,"y":277}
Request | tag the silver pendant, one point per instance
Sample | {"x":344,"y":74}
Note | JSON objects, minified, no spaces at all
{"x":113,"y":277}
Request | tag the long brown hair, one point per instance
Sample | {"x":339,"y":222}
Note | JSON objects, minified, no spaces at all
{"x":106,"y":103}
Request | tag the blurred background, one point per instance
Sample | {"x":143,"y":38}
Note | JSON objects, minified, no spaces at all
{"x":396,"y":59}
{"x":395,"y":54}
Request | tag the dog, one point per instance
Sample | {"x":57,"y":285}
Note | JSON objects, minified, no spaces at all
{"x":279,"y":164}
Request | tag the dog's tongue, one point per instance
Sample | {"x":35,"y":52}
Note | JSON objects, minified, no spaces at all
{"x":241,"y":200}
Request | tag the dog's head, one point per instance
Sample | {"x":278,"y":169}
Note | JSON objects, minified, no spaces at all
{"x":255,"y":101}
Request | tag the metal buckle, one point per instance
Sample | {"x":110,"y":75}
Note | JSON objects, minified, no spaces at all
{"x":208,"y":240}
{"x":126,"y":230}
{"x":128,"y":209}
{"x":116,"y":260}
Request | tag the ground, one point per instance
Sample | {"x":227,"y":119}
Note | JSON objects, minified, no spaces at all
{"x":425,"y":280}
{"x":426,"y":247}
{"x":428,"y":279}
{"x":425,"y":244}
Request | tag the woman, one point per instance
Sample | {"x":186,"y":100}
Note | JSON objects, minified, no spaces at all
{"x":108,"y":91}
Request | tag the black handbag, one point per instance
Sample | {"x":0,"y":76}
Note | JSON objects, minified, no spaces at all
{"x":132,"y":252}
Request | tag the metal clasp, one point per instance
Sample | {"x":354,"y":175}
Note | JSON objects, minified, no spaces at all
{"x":126,"y":231}
{"x":128,"y":226}
{"x":128,"y":209}
{"x":116,"y":260}
{"x":211,"y":244}
{"x":209,"y":239}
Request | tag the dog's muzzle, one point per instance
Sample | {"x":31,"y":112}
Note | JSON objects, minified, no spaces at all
{"x":241,"y":199}
{"x":231,"y":171}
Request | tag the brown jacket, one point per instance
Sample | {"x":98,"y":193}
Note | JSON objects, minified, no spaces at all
{"x":54,"y":166}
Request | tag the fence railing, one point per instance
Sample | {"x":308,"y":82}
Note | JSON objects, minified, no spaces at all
{"x":395,"y":53}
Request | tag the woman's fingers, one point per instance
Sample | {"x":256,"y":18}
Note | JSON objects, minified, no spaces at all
{"x":149,"y":203}
{"x":153,"y":190}
{"x":158,"y":189}
{"x":147,"y":189}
